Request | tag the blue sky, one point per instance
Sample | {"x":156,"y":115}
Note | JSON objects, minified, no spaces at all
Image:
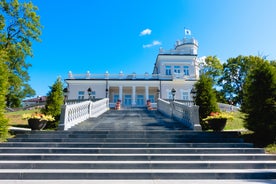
{"x":103,"y":35}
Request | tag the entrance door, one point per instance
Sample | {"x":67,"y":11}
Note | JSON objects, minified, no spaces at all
{"x":127,"y":101}
{"x":140,"y":100}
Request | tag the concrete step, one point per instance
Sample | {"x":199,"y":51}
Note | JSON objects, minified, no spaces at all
{"x":136,"y":157}
{"x":125,"y":145}
{"x":115,"y":174}
{"x":132,"y":132}
{"x":131,"y":140}
{"x":144,"y":181}
{"x":132,"y":155}
{"x":85,"y":150}
{"x":137,"y":164}
{"x":130,"y":135}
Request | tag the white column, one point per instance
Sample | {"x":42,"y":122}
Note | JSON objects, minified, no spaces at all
{"x":121,"y":93}
{"x":147,"y":92}
{"x":133,"y":101}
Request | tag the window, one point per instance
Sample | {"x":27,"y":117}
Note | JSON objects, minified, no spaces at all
{"x":140,"y":100}
{"x":185,"y":96}
{"x":186,"y":70}
{"x":151,"y":98}
{"x":176,"y":69}
{"x":81,"y":95}
{"x":127,"y":101}
{"x":93,"y":94}
{"x":168,"y":70}
{"x":115,"y":98}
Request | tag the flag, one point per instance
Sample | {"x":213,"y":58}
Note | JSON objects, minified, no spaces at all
{"x":188,"y":32}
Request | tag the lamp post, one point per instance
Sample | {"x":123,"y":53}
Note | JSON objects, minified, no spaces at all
{"x":193,"y":93}
{"x":65,"y":93}
{"x":106,"y":93}
{"x":89,"y":90}
{"x":173,"y":92}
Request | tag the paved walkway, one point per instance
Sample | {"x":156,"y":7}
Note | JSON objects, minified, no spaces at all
{"x":131,"y":119}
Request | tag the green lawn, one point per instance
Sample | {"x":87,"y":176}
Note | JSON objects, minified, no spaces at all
{"x":237,"y":123}
{"x":15,"y":118}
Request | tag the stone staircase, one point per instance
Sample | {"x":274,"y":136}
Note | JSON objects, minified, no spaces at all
{"x":132,"y":155}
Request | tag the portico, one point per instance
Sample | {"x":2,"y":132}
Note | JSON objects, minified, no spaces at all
{"x":133,"y":95}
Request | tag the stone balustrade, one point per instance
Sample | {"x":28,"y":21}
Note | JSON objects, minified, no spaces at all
{"x":133,"y":76}
{"x":73,"y":114}
{"x":188,"y":115}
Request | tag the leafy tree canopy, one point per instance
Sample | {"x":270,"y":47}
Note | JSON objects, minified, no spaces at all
{"x":3,"y":92}
{"x":19,"y":26}
{"x":233,"y":77}
{"x":212,"y":68}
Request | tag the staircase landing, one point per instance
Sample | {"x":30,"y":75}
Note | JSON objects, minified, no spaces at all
{"x":130,"y":119}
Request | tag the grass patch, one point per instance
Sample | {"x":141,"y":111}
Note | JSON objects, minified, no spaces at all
{"x":15,"y":118}
{"x":271,"y":148}
{"x":237,"y":123}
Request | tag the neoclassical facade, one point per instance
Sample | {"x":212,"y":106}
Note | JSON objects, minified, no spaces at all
{"x":177,"y":68}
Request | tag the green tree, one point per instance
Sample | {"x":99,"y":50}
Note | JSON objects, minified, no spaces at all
{"x":234,"y":74}
{"x":212,"y":68}
{"x":20,"y":25}
{"x":3,"y":92}
{"x":54,"y":102}
{"x":205,"y":98}
{"x":260,"y":101}
{"x":273,"y":63}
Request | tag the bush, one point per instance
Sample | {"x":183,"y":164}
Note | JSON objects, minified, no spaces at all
{"x":54,"y":103}
{"x":205,"y":98}
{"x":260,"y":101}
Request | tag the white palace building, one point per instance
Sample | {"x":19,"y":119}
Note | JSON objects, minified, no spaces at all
{"x":176,"y":69}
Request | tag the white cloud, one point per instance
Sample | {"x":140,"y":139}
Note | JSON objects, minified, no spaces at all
{"x":154,"y":43}
{"x":145,"y":32}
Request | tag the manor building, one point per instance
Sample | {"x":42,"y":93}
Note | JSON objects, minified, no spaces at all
{"x":177,"y":69}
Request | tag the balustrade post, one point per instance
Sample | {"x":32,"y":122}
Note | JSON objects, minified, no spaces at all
{"x":90,"y":109}
{"x":63,"y":118}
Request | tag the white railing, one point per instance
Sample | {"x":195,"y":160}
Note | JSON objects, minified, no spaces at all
{"x":122,"y":76}
{"x":227,"y":107}
{"x":73,"y":114}
{"x":179,"y":52}
{"x":188,"y":115}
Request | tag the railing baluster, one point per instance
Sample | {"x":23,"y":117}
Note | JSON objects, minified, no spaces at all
{"x":74,"y":113}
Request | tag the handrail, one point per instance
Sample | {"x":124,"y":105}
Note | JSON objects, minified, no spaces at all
{"x":73,"y":114}
{"x":186,"y":114}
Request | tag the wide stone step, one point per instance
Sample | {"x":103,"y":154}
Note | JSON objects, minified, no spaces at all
{"x":85,"y":150}
{"x":138,"y":174}
{"x":129,"y":140}
{"x":126,"y":145}
{"x":137,"y":164}
{"x":131,"y":132}
{"x":127,"y":135}
{"x":136,"y":157}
